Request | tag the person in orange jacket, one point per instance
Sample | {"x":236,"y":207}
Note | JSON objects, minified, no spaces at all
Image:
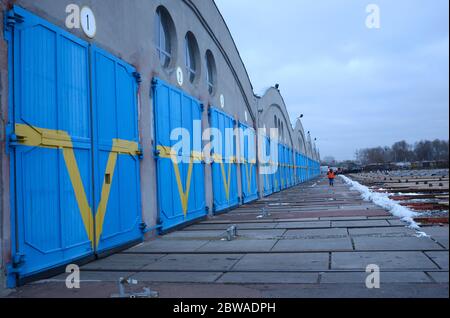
{"x":331,"y":176}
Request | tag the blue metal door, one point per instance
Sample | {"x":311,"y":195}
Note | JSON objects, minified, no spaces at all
{"x":54,"y":144}
{"x":298,"y":169}
{"x":290,"y":167}
{"x":180,"y":174}
{"x":282,"y":161}
{"x":277,"y":166}
{"x":116,"y":151}
{"x":224,"y":166}
{"x":248,"y":163}
{"x":268,"y":174}
{"x":308,"y":169}
{"x":303,"y":161}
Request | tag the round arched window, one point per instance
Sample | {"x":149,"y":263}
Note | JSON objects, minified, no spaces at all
{"x":191,"y":56}
{"x":211,"y":72}
{"x":164,"y":36}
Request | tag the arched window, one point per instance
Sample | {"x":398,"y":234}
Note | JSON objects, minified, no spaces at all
{"x":276,"y":121}
{"x":210,"y":72}
{"x":163,"y":37}
{"x":191,"y":56}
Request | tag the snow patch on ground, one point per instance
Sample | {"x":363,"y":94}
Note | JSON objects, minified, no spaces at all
{"x":382,"y":200}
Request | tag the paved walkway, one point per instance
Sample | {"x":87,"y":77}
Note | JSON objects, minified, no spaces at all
{"x":313,"y":241}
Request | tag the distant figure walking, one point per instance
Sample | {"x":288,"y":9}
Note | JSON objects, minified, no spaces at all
{"x":331,"y":176}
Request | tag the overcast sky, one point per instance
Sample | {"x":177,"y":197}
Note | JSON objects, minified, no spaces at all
{"x":357,"y":87}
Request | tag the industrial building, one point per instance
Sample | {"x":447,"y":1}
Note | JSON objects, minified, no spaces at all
{"x":90,"y":93}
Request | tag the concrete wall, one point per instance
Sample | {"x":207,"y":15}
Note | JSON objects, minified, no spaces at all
{"x":126,"y":29}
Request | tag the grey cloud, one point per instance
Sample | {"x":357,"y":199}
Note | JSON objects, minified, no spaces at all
{"x":357,"y":87}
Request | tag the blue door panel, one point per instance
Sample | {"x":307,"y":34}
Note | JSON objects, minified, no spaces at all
{"x":115,"y":114}
{"x":174,"y":109}
{"x":224,"y":174}
{"x":282,"y":162}
{"x":289,"y":167}
{"x":276,"y":156}
{"x":268,"y":176}
{"x":248,"y":163}
{"x":51,"y":92}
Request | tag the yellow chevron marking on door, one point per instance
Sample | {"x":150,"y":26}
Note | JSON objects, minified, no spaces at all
{"x":169,"y":153}
{"x":248,"y":174}
{"x":58,"y":139}
{"x":225,"y":180}
{"x":106,"y":189}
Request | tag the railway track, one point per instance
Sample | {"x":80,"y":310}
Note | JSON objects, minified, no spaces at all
{"x":423,"y":191}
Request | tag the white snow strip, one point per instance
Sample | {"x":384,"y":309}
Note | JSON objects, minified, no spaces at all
{"x":382,"y":200}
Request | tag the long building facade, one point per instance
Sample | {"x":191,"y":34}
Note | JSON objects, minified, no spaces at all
{"x":94,"y":97}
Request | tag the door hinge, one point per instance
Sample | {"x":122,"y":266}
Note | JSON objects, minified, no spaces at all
{"x":15,"y":140}
{"x":17,"y":261}
{"x":140,"y":152}
{"x":137,"y":76}
{"x":11,"y":18}
{"x":142,"y":227}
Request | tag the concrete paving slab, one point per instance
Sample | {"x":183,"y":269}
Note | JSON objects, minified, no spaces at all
{"x":382,"y":231}
{"x":395,"y":244}
{"x":168,"y":246}
{"x":177,"y":277}
{"x":382,"y":218}
{"x":317,"y":244}
{"x":195,"y":262}
{"x":101,"y":276}
{"x":193,"y":235}
{"x":443,"y":241}
{"x":385,"y":277}
{"x":224,"y":291}
{"x":439,"y":234}
{"x":238,"y":245}
{"x":316,"y":233}
{"x":436,"y":231}
{"x":123,"y":262}
{"x":393,"y":290}
{"x":387,"y":260}
{"x":268,"y":278}
{"x":283,"y":262}
{"x":344,"y":218}
{"x":298,"y":220}
{"x":439,"y":277}
{"x":366,"y":223}
{"x":303,"y":225}
{"x":396,"y":222}
{"x":440,"y":258}
{"x":260,"y":234}
{"x":241,"y":226}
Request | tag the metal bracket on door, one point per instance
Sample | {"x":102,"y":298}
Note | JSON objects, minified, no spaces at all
{"x":137,"y":76}
{"x":11,"y":18}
